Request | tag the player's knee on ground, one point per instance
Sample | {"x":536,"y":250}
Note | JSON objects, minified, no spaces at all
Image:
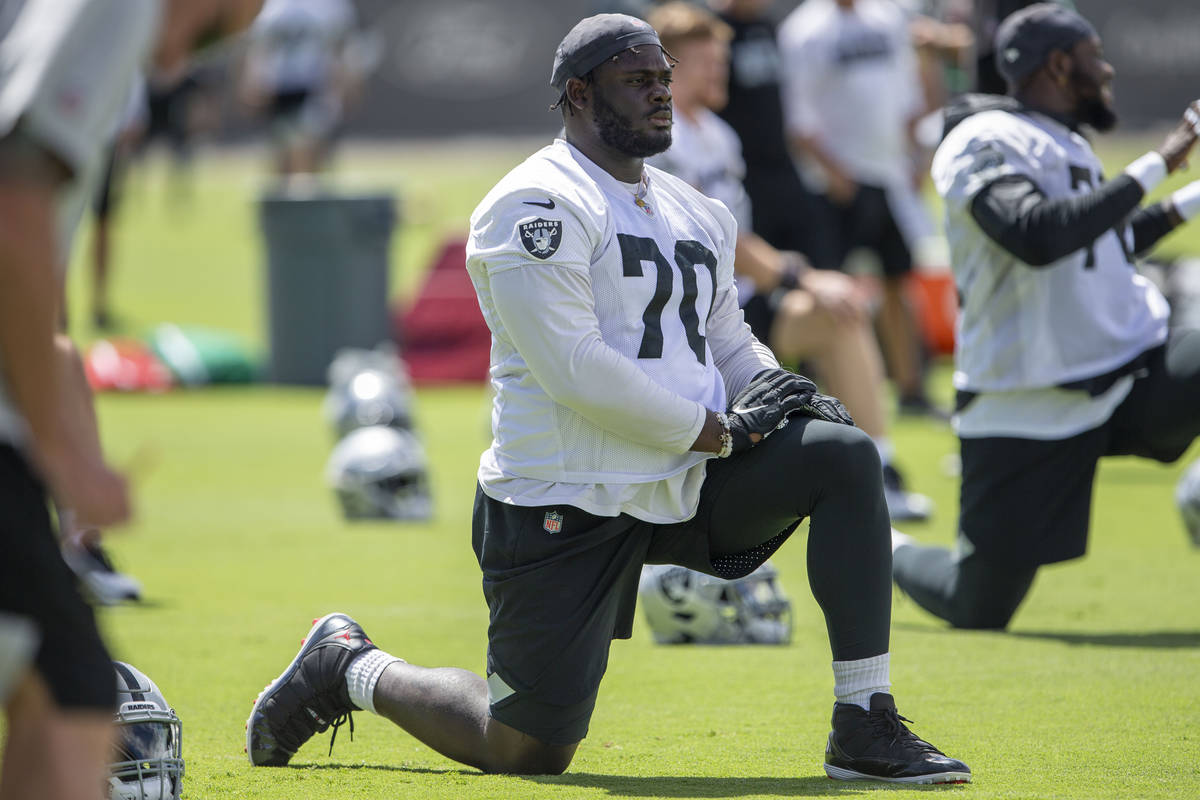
{"x":971,"y":592}
{"x":516,"y":753}
{"x":987,"y":594}
{"x":980,"y":619}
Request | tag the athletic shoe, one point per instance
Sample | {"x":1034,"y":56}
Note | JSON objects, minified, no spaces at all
{"x":309,"y":696}
{"x":875,"y":745}
{"x":99,"y":579}
{"x":903,"y":505}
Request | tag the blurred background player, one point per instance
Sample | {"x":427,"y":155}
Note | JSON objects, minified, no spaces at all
{"x":852,"y":99}
{"x":66,"y":68}
{"x":819,"y":317}
{"x":298,"y":75}
{"x":1064,"y":354}
{"x":784,"y":211}
{"x":179,"y":109}
{"x":129,"y":131}
{"x":173,"y":108}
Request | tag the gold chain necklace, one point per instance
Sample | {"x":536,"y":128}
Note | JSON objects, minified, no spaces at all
{"x":640,"y":194}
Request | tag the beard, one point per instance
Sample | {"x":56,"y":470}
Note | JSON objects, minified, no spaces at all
{"x":1092,"y":109}
{"x":617,"y":132}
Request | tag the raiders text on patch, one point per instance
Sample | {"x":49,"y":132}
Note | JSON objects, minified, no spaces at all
{"x":541,"y":237}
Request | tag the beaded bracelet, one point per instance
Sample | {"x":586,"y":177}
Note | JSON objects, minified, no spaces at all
{"x":726,"y":436}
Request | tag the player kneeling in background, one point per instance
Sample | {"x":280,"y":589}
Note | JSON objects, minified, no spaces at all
{"x":1064,"y":354}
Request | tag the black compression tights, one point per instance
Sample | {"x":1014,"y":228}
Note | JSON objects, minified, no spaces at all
{"x":831,"y":474}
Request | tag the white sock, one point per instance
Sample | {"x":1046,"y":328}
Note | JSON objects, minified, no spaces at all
{"x":886,"y":451}
{"x":855,"y":681}
{"x":362,"y":675}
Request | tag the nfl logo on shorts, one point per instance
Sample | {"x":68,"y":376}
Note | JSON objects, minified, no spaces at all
{"x":553,"y":522}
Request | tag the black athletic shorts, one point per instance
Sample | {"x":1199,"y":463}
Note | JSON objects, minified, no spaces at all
{"x":35,"y":583}
{"x":1029,"y":501}
{"x":561,"y":584}
{"x":868,"y":223}
{"x":790,"y":217}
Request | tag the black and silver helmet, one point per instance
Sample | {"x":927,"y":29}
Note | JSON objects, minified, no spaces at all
{"x":685,"y":606}
{"x":379,"y":472}
{"x":368,"y":387}
{"x":147,"y":759}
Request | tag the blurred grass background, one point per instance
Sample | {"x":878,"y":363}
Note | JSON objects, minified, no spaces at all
{"x":239,"y":545}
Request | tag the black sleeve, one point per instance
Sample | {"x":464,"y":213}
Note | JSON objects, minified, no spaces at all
{"x":1151,"y":224}
{"x":1015,"y":214}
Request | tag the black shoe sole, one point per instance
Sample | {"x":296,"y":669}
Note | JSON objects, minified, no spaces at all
{"x":269,"y":690}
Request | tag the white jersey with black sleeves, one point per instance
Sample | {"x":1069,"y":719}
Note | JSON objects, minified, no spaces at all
{"x":615,"y":326}
{"x":1023,"y":330}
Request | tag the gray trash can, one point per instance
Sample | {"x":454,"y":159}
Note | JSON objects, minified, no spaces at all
{"x":327,"y":276}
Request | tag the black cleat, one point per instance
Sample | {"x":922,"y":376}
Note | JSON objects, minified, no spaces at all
{"x":876,"y":746}
{"x":309,"y":696}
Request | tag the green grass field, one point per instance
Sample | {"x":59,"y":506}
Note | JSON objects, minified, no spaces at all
{"x":1093,"y":694}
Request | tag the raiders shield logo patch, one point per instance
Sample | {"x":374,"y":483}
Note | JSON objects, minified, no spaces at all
{"x":552,"y":523}
{"x":541,"y":237}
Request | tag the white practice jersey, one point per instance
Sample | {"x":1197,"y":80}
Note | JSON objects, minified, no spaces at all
{"x":850,"y":81}
{"x":67,"y":68}
{"x":615,"y":327}
{"x":1023,"y":330}
{"x":295,"y":44}
{"x":708,"y":155}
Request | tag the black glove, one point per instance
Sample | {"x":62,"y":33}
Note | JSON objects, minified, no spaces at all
{"x":828,"y":408}
{"x":773,"y":396}
{"x":765,"y":404}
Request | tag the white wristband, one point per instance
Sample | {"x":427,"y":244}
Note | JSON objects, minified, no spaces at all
{"x":1187,"y":200}
{"x":1150,"y":170}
